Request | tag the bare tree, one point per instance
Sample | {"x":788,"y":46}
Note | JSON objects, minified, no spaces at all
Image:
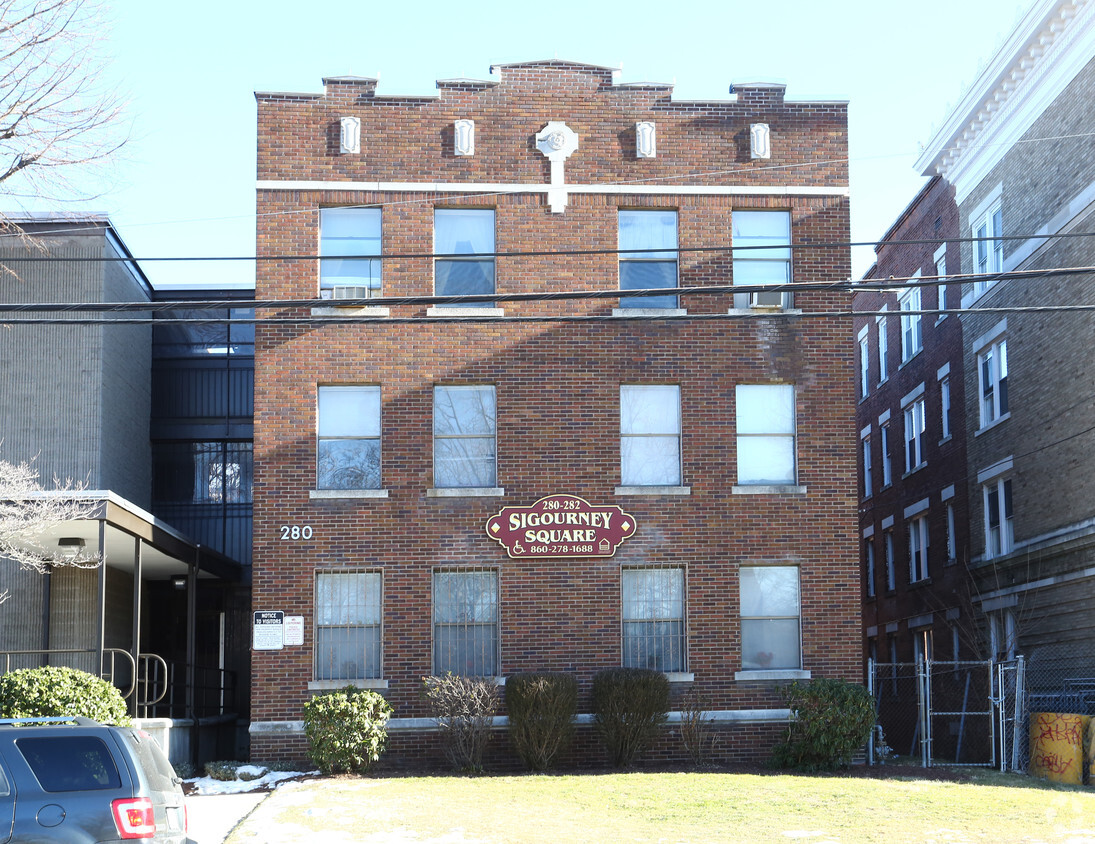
{"x":27,"y":515}
{"x":55,"y":116}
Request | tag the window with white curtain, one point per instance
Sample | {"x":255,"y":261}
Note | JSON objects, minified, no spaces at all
{"x":766,"y":433}
{"x":347,"y":233}
{"x":464,"y":237}
{"x":348,"y":625}
{"x":464,"y":441}
{"x":650,"y":435}
{"x":646,"y":270}
{"x":348,"y":447}
{"x":653,"y":618}
{"x":465,"y":623}
{"x":770,"y":605}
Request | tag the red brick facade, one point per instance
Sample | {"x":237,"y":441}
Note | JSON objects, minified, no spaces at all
{"x":557,"y":384}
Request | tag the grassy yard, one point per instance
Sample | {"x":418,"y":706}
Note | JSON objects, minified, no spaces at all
{"x":673,"y":807}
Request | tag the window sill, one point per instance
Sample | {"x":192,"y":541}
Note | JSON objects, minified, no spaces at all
{"x":329,"y":494}
{"x":764,"y":312}
{"x":883,"y":381}
{"x":648,"y":312}
{"x":940,"y":318}
{"x":906,"y":361}
{"x":753,"y":675}
{"x":946,"y":439}
{"x":653,"y":490}
{"x":352,"y":310}
{"x":768,"y":489}
{"x":333,"y":685}
{"x":466,"y":492}
{"x":680,"y":676}
{"x":998,"y":420}
{"x":915,"y":469}
{"x":455,"y":311}
{"x":916,"y":584}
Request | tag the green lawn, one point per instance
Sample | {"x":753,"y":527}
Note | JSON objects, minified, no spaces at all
{"x":661,"y":807}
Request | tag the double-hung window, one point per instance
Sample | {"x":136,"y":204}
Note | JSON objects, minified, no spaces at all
{"x":883,"y":350}
{"x":348,"y":624}
{"x":952,"y":540}
{"x":992,"y":368}
{"x":864,"y":365}
{"x":762,"y":256}
{"x":918,"y":549}
{"x":650,"y":435}
{"x":914,"y":435}
{"x":351,"y":236}
{"x":464,"y":437}
{"x":999,"y":533}
{"x":463,"y":240}
{"x":348,"y":448}
{"x":868,"y":486}
{"x":648,"y":230}
{"x":869,"y":561}
{"x":941,"y":280}
{"x":911,"y":337}
{"x":888,"y":553}
{"x":887,"y":457}
{"x":988,"y":249}
{"x":465,"y":623}
{"x":766,"y":433}
{"x":770,"y":606}
{"x":653,"y":618}
{"x":945,"y":406}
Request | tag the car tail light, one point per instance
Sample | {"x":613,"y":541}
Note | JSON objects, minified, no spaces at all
{"x":133,"y":817}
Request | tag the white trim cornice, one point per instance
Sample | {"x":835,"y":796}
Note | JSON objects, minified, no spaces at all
{"x":1049,"y":46}
{"x":517,"y":187}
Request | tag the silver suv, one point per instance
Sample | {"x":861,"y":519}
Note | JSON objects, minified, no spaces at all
{"x":76,"y":781}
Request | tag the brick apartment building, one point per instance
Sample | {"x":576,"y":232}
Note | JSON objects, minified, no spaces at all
{"x":913,"y":514}
{"x":493,"y":485}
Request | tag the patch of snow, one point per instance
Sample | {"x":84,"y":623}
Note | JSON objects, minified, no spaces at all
{"x":208,"y":785}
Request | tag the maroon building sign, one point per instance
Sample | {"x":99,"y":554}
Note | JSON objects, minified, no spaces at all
{"x":561,"y":526}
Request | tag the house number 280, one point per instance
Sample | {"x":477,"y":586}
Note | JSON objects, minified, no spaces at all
{"x":296,"y":532}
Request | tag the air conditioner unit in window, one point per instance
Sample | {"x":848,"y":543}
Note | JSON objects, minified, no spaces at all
{"x":351,"y":291}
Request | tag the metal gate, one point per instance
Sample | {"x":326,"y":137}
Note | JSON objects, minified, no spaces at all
{"x":953,"y":713}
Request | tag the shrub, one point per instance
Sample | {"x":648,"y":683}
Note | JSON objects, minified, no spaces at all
{"x":629,"y":707}
{"x":347,"y":730}
{"x":541,"y":711}
{"x":697,"y":733}
{"x":222,"y":771}
{"x":54,"y":691}
{"x":464,"y":709}
{"x":830,"y":721}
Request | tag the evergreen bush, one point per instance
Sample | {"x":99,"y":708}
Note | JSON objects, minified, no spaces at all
{"x":55,"y":691}
{"x":830,"y":721}
{"x":629,"y":707}
{"x":541,"y":711}
{"x":463,"y":708}
{"x":347,"y":730}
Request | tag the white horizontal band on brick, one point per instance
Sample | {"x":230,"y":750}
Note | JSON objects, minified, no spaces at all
{"x":919,"y":507}
{"x":517,"y":187}
{"x":719,"y":716}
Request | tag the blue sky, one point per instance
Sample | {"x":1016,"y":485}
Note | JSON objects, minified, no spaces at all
{"x":185,"y":184}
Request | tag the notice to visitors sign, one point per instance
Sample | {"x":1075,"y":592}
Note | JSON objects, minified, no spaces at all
{"x":561,"y":526}
{"x":269,"y":630}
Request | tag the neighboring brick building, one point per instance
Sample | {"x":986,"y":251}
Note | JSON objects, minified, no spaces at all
{"x":1017,"y":152}
{"x":913,"y":514}
{"x":704,"y":439}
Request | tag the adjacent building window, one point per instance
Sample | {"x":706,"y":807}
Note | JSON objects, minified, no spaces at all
{"x":945,"y":406}
{"x":941,"y":279}
{"x":647,"y":270}
{"x":762,"y":255}
{"x":465,"y":623}
{"x":869,"y":557}
{"x":918,"y":549}
{"x":202,"y":473}
{"x":911,"y":337}
{"x":887,"y":456}
{"x":867,"y":482}
{"x":345,"y":234}
{"x":864,"y":366}
{"x":650,"y":435}
{"x":952,"y":541}
{"x":770,"y":618}
{"x":464,"y":437}
{"x":348,"y":450}
{"x":887,"y":550}
{"x":992,"y":368}
{"x":914,"y":435}
{"x":653,"y":618}
{"x":348,"y":623}
{"x":766,"y":433}
{"x":988,"y":251}
{"x":464,"y":237}
{"x":883,"y":350}
{"x":999,"y":536}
